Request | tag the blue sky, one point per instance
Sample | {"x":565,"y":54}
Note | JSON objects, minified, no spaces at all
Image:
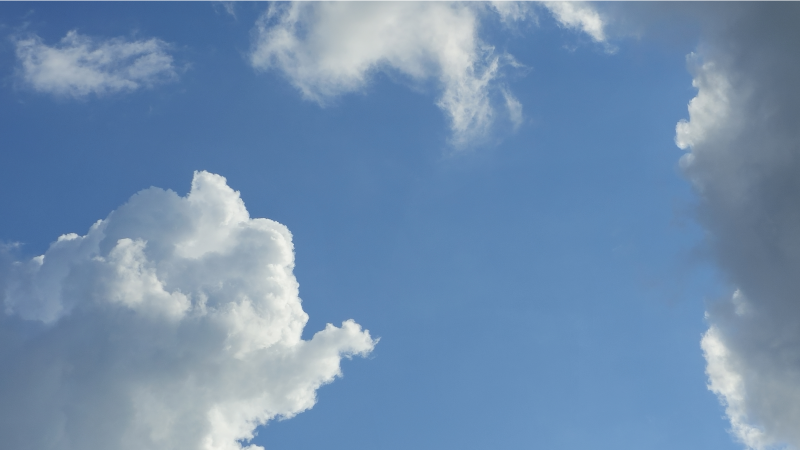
{"x":539,"y":279}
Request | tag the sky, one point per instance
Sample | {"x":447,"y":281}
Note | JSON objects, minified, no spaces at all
{"x":363,"y":225}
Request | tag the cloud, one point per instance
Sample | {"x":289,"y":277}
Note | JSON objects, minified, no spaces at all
{"x":79,"y":66}
{"x":230,"y":8}
{"x":514,"y":108}
{"x":174,"y":323}
{"x":330,"y":49}
{"x":743,"y":158}
{"x":577,"y":14}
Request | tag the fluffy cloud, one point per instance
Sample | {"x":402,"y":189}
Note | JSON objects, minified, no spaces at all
{"x":328,"y":49}
{"x":79,"y":65}
{"x":174,"y":323}
{"x":744,"y":160}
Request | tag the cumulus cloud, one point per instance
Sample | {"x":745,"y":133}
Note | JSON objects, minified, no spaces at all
{"x":173,"y":323}
{"x":80,"y":65}
{"x":743,"y":158}
{"x":331,"y":48}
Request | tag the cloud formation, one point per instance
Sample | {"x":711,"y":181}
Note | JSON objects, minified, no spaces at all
{"x":174,"y":323}
{"x":743,"y":158}
{"x":230,"y":8}
{"x":80,"y":65}
{"x":742,"y":147}
{"x":329,"y":49}
{"x":577,"y":14}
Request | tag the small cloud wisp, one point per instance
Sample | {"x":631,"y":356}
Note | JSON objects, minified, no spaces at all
{"x":79,"y":66}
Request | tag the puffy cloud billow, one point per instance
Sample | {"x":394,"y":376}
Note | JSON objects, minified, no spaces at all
{"x":744,"y":161}
{"x":80,"y":65}
{"x":174,"y":323}
{"x":328,"y":49}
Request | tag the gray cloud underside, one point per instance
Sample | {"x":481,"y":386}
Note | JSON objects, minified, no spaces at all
{"x":744,"y":161}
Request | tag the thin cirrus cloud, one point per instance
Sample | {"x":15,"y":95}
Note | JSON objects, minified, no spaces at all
{"x":230,"y":8}
{"x":79,"y":66}
{"x":329,"y":49}
{"x":174,"y":323}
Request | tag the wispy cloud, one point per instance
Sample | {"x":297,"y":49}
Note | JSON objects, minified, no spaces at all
{"x":577,"y":14}
{"x":174,"y":323}
{"x":79,"y":66}
{"x":329,"y":49}
{"x":228,"y":7}
{"x":514,"y":108}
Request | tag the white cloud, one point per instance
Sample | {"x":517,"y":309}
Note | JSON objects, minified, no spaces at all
{"x":578,"y":16}
{"x":725,"y":380}
{"x":79,"y":65}
{"x":514,"y":108}
{"x":174,"y":323}
{"x":331,"y":48}
{"x":511,"y":12}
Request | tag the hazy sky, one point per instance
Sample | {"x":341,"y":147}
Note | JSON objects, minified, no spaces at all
{"x":399,"y":225}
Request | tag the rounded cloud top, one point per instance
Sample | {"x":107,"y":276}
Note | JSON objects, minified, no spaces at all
{"x":174,"y":323}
